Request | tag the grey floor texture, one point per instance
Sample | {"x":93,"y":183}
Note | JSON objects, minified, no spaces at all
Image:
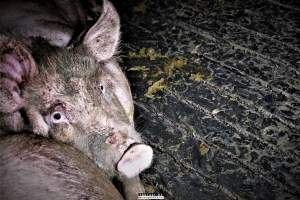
{"x":216,"y":86}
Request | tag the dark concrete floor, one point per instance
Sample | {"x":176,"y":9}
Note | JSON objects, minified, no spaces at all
{"x":217,"y":92}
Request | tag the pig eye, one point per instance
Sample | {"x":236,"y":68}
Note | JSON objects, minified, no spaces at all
{"x":58,"y":117}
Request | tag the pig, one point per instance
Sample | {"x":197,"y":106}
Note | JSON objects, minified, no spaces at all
{"x":55,"y":21}
{"x":35,"y":168}
{"x":76,"y":94}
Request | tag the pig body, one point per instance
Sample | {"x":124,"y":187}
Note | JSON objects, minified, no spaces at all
{"x":55,"y":21}
{"x":36,"y":168}
{"x":76,"y":95}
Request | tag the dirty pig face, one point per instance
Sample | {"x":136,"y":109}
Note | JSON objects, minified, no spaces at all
{"x":87,"y":93}
{"x":81,"y":96}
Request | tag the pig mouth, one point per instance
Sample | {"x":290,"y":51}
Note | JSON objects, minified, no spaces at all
{"x":135,"y":159}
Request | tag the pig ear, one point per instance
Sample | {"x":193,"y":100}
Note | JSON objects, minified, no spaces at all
{"x":103,"y":38}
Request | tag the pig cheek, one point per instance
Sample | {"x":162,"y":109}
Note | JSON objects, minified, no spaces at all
{"x":63,"y":132}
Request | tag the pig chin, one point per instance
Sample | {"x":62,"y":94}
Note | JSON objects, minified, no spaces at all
{"x":135,"y":159}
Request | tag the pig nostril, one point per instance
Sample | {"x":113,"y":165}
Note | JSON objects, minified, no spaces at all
{"x":57,"y":116}
{"x":129,"y":148}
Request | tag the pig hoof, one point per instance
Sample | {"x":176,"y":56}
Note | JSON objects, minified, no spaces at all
{"x":15,"y":68}
{"x":41,"y":129}
{"x":10,"y":100}
{"x":136,"y":159}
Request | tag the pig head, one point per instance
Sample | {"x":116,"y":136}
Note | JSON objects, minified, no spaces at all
{"x":81,"y":96}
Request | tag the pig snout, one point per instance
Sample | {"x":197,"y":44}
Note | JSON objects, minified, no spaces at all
{"x":135,"y":156}
{"x":135,"y":159}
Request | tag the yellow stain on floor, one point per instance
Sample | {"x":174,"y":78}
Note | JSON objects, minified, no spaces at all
{"x":139,"y":68}
{"x":161,"y":74}
{"x":203,"y":149}
{"x":197,"y":77}
{"x":155,"y":87}
{"x":172,"y":65}
{"x":149,"y":53}
{"x":140,"y":8}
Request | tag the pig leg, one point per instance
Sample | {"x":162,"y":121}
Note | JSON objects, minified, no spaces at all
{"x":39,"y":126}
{"x":136,"y":159}
{"x":16,"y":68}
{"x":132,"y":187}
